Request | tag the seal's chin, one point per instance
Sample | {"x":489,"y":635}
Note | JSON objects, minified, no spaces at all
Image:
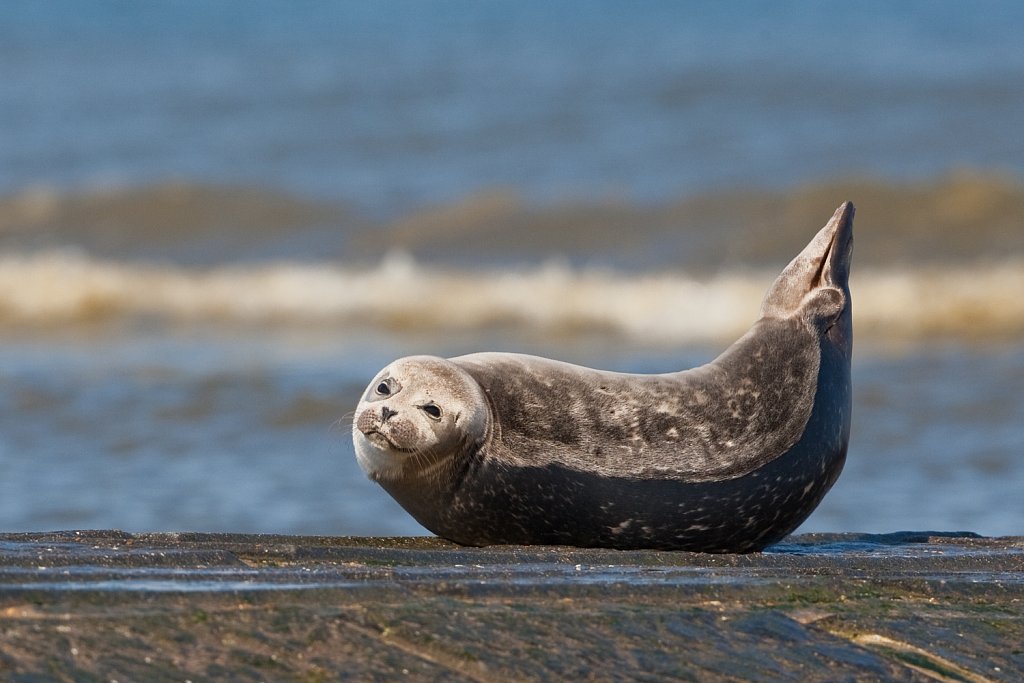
{"x":381,"y":441}
{"x":378,"y":458}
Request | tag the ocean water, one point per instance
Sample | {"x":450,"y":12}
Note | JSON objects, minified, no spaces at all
{"x":398,"y":104}
{"x":219,"y":220}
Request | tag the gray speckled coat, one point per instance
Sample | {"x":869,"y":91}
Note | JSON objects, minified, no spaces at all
{"x":728,"y":457}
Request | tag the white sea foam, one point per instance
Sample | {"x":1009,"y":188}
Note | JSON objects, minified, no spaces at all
{"x":60,"y":287}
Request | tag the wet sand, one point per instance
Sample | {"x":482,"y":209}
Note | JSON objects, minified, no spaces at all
{"x":170,"y":607}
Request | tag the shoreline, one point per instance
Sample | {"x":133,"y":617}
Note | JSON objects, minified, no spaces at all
{"x":112,"y":605}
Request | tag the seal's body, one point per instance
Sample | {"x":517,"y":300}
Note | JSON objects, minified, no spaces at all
{"x":728,"y":457}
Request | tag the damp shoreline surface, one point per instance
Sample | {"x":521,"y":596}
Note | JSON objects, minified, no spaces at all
{"x":175,"y":606}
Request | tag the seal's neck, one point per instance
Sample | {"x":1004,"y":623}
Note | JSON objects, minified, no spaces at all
{"x":427,"y":490}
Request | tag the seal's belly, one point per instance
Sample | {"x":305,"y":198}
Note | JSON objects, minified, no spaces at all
{"x":556,"y":506}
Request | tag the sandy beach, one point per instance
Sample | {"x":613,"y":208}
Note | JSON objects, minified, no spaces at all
{"x":115,"y":606}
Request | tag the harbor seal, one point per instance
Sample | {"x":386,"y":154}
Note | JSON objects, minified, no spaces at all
{"x":503,"y":448}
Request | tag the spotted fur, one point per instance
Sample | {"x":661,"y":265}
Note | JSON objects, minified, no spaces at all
{"x":727,"y":457}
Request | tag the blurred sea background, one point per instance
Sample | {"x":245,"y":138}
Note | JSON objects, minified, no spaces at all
{"x":218,"y":220}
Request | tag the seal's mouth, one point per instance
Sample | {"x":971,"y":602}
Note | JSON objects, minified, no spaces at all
{"x":383,"y":441}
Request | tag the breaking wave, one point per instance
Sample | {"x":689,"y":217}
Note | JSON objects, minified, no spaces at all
{"x":55,"y":288}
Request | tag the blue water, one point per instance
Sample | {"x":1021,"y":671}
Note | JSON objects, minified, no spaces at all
{"x":390,"y":105}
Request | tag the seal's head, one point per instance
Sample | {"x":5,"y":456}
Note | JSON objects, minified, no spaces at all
{"x":416,"y":414}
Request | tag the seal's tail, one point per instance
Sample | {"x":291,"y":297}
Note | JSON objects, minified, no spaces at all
{"x":824,"y":262}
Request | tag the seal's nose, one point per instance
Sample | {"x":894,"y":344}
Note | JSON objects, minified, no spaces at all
{"x":386,"y":412}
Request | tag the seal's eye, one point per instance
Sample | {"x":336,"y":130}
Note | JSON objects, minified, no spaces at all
{"x":388,"y":386}
{"x":432,"y":410}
